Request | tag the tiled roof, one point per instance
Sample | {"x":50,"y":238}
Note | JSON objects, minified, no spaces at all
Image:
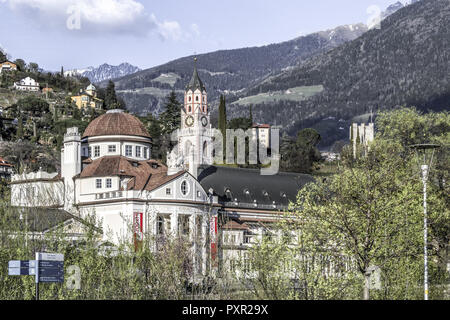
{"x":235,"y":225}
{"x":43,"y":219}
{"x":262,"y":126}
{"x":116,"y":123}
{"x":146,"y":175}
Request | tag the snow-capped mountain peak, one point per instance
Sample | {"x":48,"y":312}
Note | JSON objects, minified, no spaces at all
{"x":393,"y":8}
{"x":104,"y":72}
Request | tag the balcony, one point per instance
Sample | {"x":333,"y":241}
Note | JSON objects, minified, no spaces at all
{"x":109,"y":195}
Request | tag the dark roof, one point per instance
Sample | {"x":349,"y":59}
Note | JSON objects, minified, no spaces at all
{"x":147,"y":175}
{"x":116,"y":122}
{"x":195,"y":82}
{"x":251,"y":189}
{"x":41,"y":219}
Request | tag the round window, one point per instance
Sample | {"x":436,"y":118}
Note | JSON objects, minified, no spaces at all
{"x":184,"y":188}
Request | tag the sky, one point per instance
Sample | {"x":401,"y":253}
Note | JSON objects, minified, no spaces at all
{"x":147,"y":33}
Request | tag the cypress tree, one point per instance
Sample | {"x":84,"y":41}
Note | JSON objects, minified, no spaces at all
{"x":154,"y":129}
{"x":20,"y":127}
{"x":223,"y":122}
{"x":251,"y":116}
{"x":76,"y":113}
{"x":110,"y":96}
{"x":55,"y":115}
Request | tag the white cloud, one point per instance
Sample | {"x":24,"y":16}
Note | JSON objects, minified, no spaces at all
{"x":195,"y":29}
{"x":95,"y":16}
{"x":99,"y":17}
{"x":169,"y":30}
{"x":172,"y":30}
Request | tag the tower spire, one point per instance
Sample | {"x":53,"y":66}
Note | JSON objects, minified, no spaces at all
{"x":195,"y":82}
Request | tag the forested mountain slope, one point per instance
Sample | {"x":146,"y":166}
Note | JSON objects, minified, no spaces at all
{"x":405,"y":62}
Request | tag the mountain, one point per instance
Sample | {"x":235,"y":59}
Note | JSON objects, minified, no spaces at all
{"x":405,"y":62}
{"x":104,"y":72}
{"x":393,"y":8}
{"x":228,"y":71}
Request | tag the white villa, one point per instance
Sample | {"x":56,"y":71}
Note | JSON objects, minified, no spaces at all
{"x":27,"y":84}
{"x":108,"y":171}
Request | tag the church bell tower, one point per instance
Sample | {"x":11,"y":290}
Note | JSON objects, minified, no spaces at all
{"x":195,"y":139}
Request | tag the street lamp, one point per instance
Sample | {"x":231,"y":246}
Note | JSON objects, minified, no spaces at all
{"x":425,"y":154}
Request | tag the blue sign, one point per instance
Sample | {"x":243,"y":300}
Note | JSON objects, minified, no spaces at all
{"x":21,"y":271}
{"x":22,"y":264}
{"x":51,"y":279}
{"x":51,"y":264}
{"x":48,"y":267}
{"x":22,"y":268}
{"x":51,"y":271}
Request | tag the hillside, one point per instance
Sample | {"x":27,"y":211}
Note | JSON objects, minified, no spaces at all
{"x":406,"y":62}
{"x":227,"y":71}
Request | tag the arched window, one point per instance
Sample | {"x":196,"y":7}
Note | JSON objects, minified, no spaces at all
{"x":189,"y":109}
{"x":196,"y":98}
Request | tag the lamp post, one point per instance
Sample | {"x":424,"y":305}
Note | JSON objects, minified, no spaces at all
{"x":425,"y":154}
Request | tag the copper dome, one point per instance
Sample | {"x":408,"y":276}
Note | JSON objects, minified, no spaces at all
{"x":114,"y":123}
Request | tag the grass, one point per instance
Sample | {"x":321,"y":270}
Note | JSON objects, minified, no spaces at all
{"x":160,"y":93}
{"x":168,"y":78}
{"x":292,"y":94}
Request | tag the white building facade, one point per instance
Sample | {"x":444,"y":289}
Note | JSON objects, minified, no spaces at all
{"x":108,"y":172}
{"x":27,"y":84}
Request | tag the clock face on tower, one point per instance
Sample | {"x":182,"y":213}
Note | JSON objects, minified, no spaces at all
{"x":189,"y":121}
{"x":204,"y":121}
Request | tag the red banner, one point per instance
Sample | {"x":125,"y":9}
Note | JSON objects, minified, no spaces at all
{"x":138,"y":229}
{"x":213,"y":236}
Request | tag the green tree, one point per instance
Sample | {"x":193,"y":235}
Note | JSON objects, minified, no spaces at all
{"x":302,"y":154}
{"x":76,"y":113}
{"x":33,"y":106}
{"x":111,"y":100}
{"x":240,"y":123}
{"x":223,"y":121}
{"x":34,"y":67}
{"x":368,"y":214}
{"x":154,"y":129}
{"x":3,"y":57}
{"x":20,"y":64}
{"x":170,"y":119}
{"x":19,"y":134}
